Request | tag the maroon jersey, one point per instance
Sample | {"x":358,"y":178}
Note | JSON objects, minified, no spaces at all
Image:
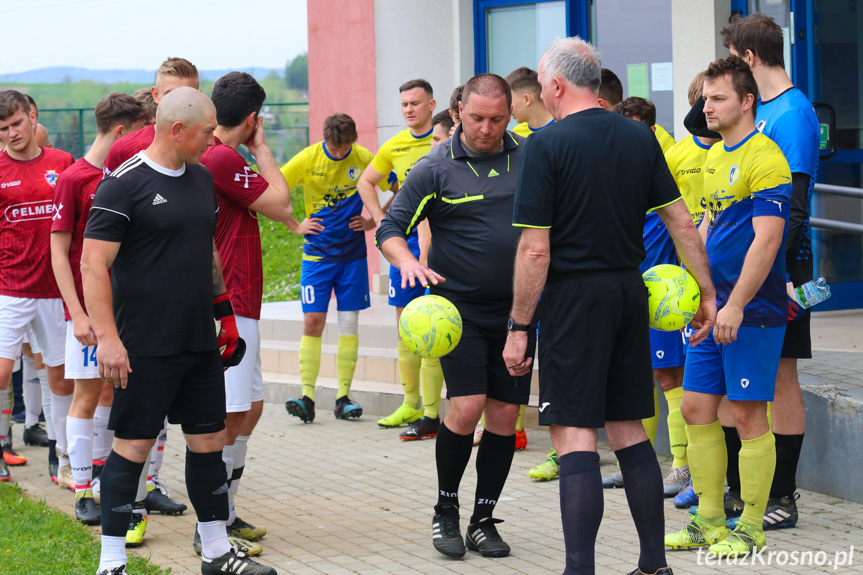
{"x":128,"y":146}
{"x":238,"y":238}
{"x":27,"y":202}
{"x":72,"y":200}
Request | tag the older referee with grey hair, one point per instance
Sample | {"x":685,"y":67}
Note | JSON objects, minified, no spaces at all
{"x":584,"y":186}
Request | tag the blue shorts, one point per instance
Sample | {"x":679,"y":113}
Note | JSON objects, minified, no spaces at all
{"x":350,"y":280}
{"x":666,"y":349}
{"x":401,"y":297}
{"x":744,"y":370}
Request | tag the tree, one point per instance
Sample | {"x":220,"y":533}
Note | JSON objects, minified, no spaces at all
{"x":297,"y":73}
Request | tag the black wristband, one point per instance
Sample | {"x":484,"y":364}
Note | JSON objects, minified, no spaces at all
{"x":222,"y":308}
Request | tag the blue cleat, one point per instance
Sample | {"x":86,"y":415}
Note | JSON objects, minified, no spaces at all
{"x":347,"y":409}
{"x":686,"y":497}
{"x":304,"y":408}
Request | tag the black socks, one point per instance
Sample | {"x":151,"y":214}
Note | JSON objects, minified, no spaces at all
{"x":119,"y":487}
{"x":207,"y":484}
{"x":452,"y":453}
{"x":581,"y":506}
{"x":493,"y":460}
{"x":642,"y":480}
{"x":787,"y":455}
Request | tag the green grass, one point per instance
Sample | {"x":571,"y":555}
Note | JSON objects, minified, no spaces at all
{"x":282,"y":254}
{"x":37,"y":540}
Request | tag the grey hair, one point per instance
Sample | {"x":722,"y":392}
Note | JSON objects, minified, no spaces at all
{"x":575,"y":61}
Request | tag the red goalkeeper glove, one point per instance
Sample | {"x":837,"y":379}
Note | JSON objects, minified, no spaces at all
{"x":231,"y":346}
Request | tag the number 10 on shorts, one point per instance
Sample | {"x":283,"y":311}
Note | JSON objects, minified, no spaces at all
{"x":89,"y":355}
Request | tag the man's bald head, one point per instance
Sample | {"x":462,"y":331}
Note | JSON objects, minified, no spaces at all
{"x":186,"y":105}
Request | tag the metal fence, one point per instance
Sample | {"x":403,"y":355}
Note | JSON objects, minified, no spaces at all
{"x":286,"y":125}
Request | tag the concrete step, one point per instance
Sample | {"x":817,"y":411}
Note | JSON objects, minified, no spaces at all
{"x":377,"y":399}
{"x":378,"y":364}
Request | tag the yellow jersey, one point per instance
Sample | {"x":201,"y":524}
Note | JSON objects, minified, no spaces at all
{"x":525,"y":130}
{"x":400,"y":153}
{"x":686,"y":161}
{"x":665,"y":139}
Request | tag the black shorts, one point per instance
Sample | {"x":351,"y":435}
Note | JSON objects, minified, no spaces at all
{"x":476,"y":366}
{"x":594,"y":359}
{"x":798,"y":339}
{"x":188,"y":387}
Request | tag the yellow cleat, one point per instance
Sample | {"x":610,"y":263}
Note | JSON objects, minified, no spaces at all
{"x":700,"y":532}
{"x":740,"y":542}
{"x":404,"y":414}
{"x":245,"y":530}
{"x":137,"y":529}
{"x":548,"y":470}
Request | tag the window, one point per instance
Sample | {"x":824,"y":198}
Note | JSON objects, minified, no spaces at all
{"x":518,"y":34}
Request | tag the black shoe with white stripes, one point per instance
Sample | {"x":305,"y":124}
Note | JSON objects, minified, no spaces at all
{"x":483,"y":537}
{"x":121,"y":570}
{"x":446,"y":533}
{"x":234,"y":562}
{"x":781,"y":512}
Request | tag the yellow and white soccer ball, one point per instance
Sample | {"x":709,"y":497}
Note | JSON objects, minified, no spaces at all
{"x":673,"y":296}
{"x":430,"y":326}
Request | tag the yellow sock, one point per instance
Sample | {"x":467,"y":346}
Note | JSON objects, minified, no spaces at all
{"x":409,"y":368}
{"x":482,"y":420}
{"x":757,"y":464}
{"x":676,"y":427}
{"x":708,"y":460}
{"x":310,"y":364}
{"x":770,"y":414}
{"x":346,"y":362}
{"x":519,"y":423}
{"x":431,"y":383}
{"x":651,"y":423}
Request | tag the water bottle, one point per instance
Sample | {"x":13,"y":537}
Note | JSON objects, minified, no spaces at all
{"x":810,"y":293}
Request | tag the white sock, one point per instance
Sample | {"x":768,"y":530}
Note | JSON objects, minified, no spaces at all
{"x":79,"y":434}
{"x":113,"y":552}
{"x":5,"y":414}
{"x":214,"y":539}
{"x":142,"y":490}
{"x":102,"y":437}
{"x":160,"y":450}
{"x":32,"y":391}
{"x":239,"y":462}
{"x":46,"y":402}
{"x":60,"y":405}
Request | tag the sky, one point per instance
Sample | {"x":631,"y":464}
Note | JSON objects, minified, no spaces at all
{"x":127,"y":34}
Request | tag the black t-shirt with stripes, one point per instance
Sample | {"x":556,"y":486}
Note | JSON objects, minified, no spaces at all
{"x":162,"y":277}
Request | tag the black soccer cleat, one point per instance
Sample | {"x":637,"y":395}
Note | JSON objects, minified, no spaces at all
{"x":446,"y":533}
{"x":304,"y":408}
{"x":156,"y":501}
{"x":663,"y":571}
{"x":5,"y":476}
{"x":237,"y":356}
{"x":36,"y":435}
{"x":235,"y":562}
{"x":121,"y":570}
{"x":85,"y":509}
{"x":347,"y":409}
{"x":483,"y":538}
{"x":425,"y":428}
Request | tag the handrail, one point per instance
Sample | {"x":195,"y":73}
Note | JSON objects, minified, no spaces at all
{"x":836,"y":226}
{"x":845,"y":191}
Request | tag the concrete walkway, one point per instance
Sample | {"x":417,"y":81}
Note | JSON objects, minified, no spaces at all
{"x":342,"y":497}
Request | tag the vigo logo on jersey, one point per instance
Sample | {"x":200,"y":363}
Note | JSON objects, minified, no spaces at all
{"x":5,"y":185}
{"x":43,"y":210}
{"x":51,"y":177}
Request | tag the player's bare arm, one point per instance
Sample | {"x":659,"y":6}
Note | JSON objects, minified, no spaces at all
{"x":60,"y":243}
{"x":397,"y":252}
{"x":96,"y":261}
{"x":759,"y":259}
{"x":219,"y":286}
{"x":368,"y":193}
{"x":690,"y":248}
{"x":275,"y":202}
{"x":531,"y":270}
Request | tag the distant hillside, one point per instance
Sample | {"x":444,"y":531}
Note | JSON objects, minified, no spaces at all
{"x":68,"y":74}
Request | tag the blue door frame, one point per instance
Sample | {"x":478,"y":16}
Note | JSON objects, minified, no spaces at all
{"x":577,"y":24}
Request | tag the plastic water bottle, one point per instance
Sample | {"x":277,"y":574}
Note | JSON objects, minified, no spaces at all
{"x":812,"y":292}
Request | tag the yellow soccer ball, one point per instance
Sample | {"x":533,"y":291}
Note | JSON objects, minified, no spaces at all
{"x":430,"y":326}
{"x":673,"y":296}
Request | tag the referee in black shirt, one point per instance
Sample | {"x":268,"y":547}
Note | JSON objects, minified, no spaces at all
{"x":583,"y":190}
{"x":465,"y":187}
{"x":152,"y":225}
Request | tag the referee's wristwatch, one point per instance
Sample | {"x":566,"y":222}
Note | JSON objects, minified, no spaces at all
{"x":512,"y":326}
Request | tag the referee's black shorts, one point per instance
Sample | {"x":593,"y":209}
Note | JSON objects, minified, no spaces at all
{"x":188,"y":387}
{"x":594,"y":360}
{"x":476,"y":366}
{"x":798,"y":339}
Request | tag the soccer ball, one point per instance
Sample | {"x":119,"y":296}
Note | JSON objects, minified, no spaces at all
{"x":430,"y":326}
{"x":673,"y":296}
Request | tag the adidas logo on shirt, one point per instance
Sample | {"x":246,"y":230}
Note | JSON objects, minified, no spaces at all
{"x":493,"y":173}
{"x":159,"y":200}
